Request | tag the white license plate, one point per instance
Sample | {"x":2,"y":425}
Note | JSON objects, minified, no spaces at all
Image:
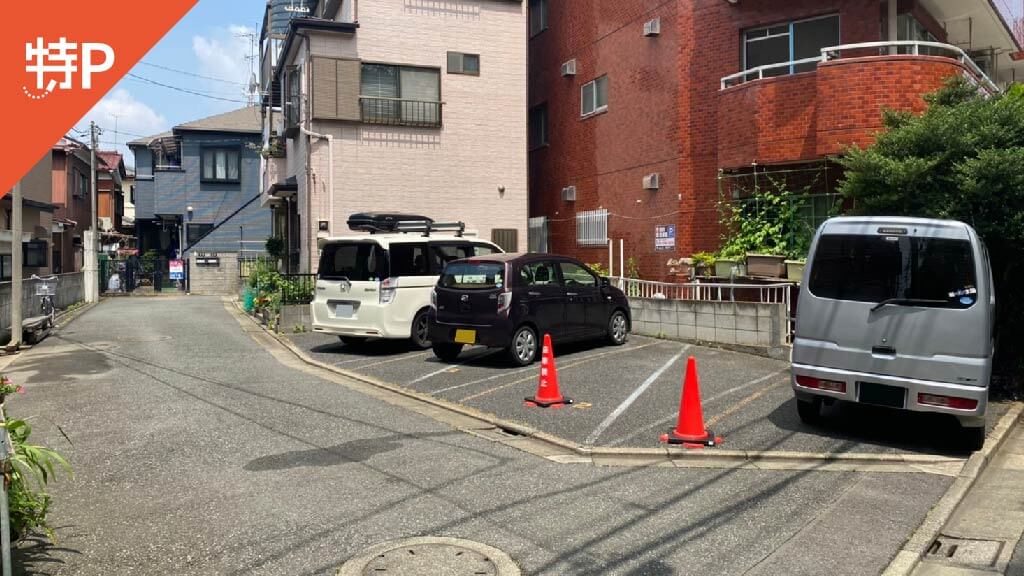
{"x":344,"y":311}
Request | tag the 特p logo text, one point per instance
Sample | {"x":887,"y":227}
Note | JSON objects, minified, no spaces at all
{"x":56,"y":63}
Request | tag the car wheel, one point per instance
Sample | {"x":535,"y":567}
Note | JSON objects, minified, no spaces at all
{"x":447,"y":352}
{"x":523,"y":350}
{"x":618,"y":328}
{"x":352,"y":340}
{"x":974,"y":438}
{"x":421,"y":331}
{"x":809,"y":411}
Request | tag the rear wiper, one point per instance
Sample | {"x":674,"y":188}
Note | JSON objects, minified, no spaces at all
{"x":908,"y":301}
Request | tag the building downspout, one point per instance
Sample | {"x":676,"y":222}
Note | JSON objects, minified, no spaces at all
{"x":305,"y":129}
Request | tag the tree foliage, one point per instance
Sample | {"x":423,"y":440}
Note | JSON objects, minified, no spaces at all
{"x":962,"y":159}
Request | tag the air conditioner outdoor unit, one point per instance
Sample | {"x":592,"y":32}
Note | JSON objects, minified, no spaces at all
{"x":651,"y":181}
{"x":652,"y":27}
{"x":569,"y":193}
{"x":569,"y":68}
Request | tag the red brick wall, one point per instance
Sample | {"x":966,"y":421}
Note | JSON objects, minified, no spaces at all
{"x":852,"y":95}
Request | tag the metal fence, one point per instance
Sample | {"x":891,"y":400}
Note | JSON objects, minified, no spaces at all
{"x":399,"y":112}
{"x":297,"y":288}
{"x":778,"y":293}
{"x":123,"y":275}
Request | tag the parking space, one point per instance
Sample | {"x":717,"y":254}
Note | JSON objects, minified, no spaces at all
{"x":627,"y":396}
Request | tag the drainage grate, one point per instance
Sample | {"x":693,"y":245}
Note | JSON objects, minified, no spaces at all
{"x":965,"y":551}
{"x":430,"y":559}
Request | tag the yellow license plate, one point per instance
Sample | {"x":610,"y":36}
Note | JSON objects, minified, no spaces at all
{"x":465,"y":336}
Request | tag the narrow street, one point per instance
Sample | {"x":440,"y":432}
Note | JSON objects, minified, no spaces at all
{"x":197,"y":451}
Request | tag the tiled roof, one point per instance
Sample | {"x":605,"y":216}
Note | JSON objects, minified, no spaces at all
{"x":109,"y":157}
{"x":242,"y":120}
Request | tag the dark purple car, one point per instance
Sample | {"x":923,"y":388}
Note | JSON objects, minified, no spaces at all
{"x":511,"y":300}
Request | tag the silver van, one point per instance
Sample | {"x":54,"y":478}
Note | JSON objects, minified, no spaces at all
{"x":896,"y":312}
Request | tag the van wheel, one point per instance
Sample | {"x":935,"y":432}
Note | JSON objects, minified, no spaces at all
{"x":447,"y":352}
{"x":523,"y":350}
{"x":618,"y":328}
{"x":974,"y":438}
{"x":809,"y":411}
{"x":421,"y":331}
{"x":352,"y":340}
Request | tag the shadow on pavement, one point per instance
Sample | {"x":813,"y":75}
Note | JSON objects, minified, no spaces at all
{"x":33,"y":555}
{"x":921,"y":432}
{"x":344,"y":453}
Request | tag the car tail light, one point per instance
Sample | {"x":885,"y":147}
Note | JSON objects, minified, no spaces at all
{"x":504,"y":302}
{"x":388,"y":288}
{"x":433,"y":298}
{"x":819,"y":384}
{"x":947,"y":401}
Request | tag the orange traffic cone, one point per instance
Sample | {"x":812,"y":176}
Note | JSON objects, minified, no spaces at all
{"x":548,"y":395}
{"x":690,"y":430}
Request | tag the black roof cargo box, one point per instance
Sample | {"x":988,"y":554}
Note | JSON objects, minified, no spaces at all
{"x":383,"y":221}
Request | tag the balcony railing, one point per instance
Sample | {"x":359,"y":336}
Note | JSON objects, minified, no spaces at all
{"x":829,"y":53}
{"x":399,"y":112}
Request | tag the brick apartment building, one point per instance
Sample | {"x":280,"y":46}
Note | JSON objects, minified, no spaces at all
{"x":705,"y":96}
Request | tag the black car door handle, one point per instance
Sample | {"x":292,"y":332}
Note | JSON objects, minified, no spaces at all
{"x":533,"y":293}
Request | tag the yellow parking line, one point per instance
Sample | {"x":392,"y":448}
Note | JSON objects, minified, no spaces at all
{"x":570,"y":365}
{"x":737,"y":406}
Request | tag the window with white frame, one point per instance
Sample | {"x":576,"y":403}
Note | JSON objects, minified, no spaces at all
{"x":789,"y":42}
{"x":538,"y":16}
{"x":592,"y":228}
{"x":594,"y":96}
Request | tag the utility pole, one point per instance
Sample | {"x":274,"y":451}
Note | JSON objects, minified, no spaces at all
{"x":92,"y":286}
{"x":16,"y":258}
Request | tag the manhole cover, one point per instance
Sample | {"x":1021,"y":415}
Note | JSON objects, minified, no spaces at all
{"x":965,"y":551}
{"x":431,"y":557}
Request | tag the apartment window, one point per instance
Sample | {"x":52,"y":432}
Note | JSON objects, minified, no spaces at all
{"x":400,"y":95}
{"x":166,"y":154}
{"x":220,"y":164}
{"x":539,"y":126}
{"x":81,"y":184}
{"x":537,"y":234}
{"x":785,"y":43}
{"x":594,"y":96}
{"x":592,"y":228}
{"x":193,"y":232}
{"x":6,"y":266}
{"x":34,"y":253}
{"x":291,"y":106}
{"x":462,"y":63}
{"x":538,"y":16}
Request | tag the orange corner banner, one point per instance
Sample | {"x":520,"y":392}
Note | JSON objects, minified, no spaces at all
{"x":59,"y":62}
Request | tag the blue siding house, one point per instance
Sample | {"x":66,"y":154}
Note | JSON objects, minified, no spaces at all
{"x":197,"y":188}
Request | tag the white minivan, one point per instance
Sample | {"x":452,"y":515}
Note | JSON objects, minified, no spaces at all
{"x":896,"y":312}
{"x":378,"y":285}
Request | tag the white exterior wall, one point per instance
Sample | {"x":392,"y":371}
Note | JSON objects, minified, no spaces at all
{"x":449,"y":173}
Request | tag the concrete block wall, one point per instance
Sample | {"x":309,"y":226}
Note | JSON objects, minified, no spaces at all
{"x":221,"y":279}
{"x":70,"y":289}
{"x":752,"y":326}
{"x":293,"y":315}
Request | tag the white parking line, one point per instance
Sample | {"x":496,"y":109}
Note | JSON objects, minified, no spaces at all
{"x":709,"y":400}
{"x":447,"y":367}
{"x":632,"y":398}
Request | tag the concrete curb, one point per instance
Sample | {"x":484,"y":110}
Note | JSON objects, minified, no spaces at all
{"x":908,"y":557}
{"x":561,"y":450}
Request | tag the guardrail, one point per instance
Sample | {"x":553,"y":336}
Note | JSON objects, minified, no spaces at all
{"x":835,"y":53}
{"x":778,"y":293}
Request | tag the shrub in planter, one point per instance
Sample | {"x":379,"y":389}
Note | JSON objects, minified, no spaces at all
{"x":703,"y":263}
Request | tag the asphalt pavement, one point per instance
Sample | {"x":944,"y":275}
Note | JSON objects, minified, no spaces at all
{"x":197,"y":451}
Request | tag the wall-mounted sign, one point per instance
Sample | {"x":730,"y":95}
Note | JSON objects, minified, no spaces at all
{"x":207,"y":259}
{"x":665,"y":237}
{"x":177,"y":269}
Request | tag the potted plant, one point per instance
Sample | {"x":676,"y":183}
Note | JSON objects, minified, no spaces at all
{"x":703,"y":263}
{"x":763,"y":263}
{"x":795,"y":269}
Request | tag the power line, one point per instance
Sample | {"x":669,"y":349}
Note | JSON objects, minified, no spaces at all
{"x":203,"y":92}
{"x":193,"y":74}
{"x":193,"y":92}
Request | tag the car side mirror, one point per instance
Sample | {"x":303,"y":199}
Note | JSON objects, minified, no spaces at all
{"x":605,"y":282}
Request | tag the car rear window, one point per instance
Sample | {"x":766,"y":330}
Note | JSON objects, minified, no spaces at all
{"x":473,"y":275}
{"x":353,"y":261}
{"x":868,"y":268}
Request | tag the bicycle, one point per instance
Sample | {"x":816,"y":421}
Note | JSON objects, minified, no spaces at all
{"x":46,"y":288}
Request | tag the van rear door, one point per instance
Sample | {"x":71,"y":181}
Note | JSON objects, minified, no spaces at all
{"x":900,"y":301}
{"x":348,"y":281}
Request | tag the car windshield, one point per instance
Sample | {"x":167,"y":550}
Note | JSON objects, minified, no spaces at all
{"x":937,"y":272}
{"x":353,"y":261}
{"x":473,"y":275}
